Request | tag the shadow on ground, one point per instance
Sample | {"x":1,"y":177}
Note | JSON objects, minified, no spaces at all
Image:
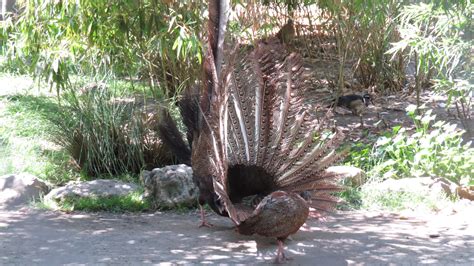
{"x":38,"y":237}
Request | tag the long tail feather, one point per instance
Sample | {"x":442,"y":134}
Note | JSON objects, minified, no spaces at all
{"x":172,"y":138}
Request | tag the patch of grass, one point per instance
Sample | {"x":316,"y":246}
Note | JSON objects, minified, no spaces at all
{"x":28,"y":155}
{"x":374,"y":198}
{"x":133,"y":202}
{"x":25,"y":115}
{"x":25,"y":140}
{"x":183,"y":208}
{"x":352,"y":199}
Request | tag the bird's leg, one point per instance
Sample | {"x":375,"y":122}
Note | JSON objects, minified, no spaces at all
{"x":203,"y":218}
{"x":281,"y":257}
{"x":361,"y":121}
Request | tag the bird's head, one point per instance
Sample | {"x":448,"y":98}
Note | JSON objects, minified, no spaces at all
{"x":368,"y":98}
{"x":306,"y":195}
{"x":216,"y":204}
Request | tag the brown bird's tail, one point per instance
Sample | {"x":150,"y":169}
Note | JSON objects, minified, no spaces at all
{"x":273,"y":140}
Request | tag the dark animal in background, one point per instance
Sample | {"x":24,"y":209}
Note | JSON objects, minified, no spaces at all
{"x":258,"y":152}
{"x":287,"y":33}
{"x":356,"y":103}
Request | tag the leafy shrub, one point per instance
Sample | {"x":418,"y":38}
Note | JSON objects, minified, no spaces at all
{"x":109,"y":134}
{"x":434,"y":149}
{"x":156,"y":41}
{"x":437,"y":36}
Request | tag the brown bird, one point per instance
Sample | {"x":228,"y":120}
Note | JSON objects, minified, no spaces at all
{"x":287,"y":207}
{"x":182,"y":150}
{"x":258,"y":151}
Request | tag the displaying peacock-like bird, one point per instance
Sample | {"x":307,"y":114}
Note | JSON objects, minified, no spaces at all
{"x":259,"y":150}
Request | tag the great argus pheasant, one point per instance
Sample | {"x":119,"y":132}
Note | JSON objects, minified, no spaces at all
{"x":259,"y":152}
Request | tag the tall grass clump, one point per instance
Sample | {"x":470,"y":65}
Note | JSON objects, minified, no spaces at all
{"x":363,"y":31}
{"x":110,"y":133}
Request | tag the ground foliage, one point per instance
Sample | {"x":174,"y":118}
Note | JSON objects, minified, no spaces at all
{"x":431,"y":148}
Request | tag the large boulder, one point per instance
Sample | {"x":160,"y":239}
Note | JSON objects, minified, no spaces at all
{"x":170,"y":187}
{"x":19,"y":189}
{"x":100,"y":188}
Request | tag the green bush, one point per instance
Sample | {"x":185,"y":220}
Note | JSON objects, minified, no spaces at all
{"x":433,"y":150}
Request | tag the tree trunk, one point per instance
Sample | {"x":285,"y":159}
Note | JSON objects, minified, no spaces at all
{"x":7,"y":6}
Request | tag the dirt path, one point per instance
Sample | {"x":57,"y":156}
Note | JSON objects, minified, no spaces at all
{"x":49,"y":238}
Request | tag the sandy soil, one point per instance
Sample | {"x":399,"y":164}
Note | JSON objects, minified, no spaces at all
{"x":29,"y":236}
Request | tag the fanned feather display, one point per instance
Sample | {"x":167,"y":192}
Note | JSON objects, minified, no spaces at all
{"x":268,"y":126}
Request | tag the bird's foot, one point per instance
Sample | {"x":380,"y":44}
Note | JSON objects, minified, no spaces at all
{"x":205,"y":224}
{"x":282,"y":259}
{"x":286,"y":257}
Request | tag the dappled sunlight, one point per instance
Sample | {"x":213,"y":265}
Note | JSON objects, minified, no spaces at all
{"x":166,"y":237}
{"x":10,"y":84}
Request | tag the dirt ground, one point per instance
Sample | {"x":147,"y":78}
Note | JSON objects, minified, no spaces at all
{"x":29,"y":236}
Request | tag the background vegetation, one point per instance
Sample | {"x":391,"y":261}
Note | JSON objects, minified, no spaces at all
{"x":104,"y":69}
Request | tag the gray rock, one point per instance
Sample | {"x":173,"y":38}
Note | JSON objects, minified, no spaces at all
{"x":99,"y":188}
{"x":443,"y":185}
{"x":355,"y":176}
{"x":171,"y":186}
{"x":16,"y":190}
